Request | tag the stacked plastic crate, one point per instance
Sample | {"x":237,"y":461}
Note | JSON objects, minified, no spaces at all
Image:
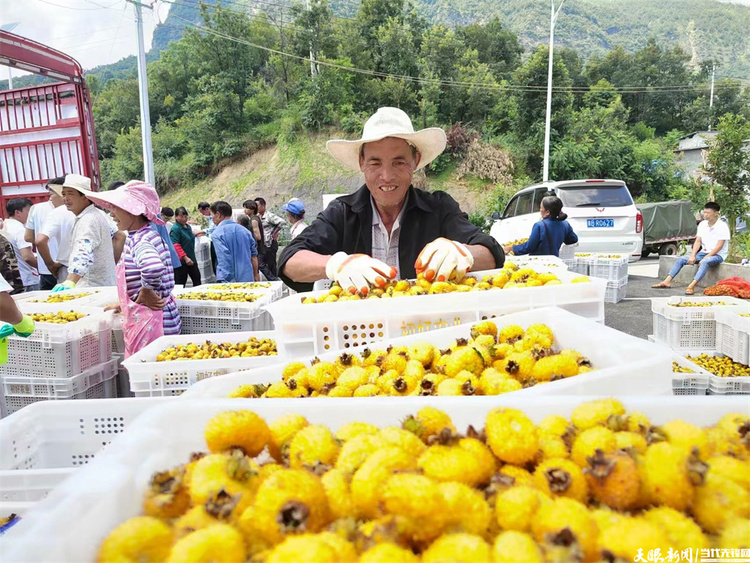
{"x":704,"y":326}
{"x":203,"y":259}
{"x":614,"y":269}
{"x":59,"y":360}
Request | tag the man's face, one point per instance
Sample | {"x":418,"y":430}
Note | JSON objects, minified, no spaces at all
{"x":388,"y":166}
{"x":217,"y":217}
{"x":710,"y":215}
{"x":22,"y":215}
{"x":74,"y":200}
{"x":56,"y":200}
{"x":261,"y":208}
{"x":205,"y":211}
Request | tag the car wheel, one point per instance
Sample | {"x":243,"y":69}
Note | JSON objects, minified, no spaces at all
{"x":645,"y":253}
{"x":669,"y":249}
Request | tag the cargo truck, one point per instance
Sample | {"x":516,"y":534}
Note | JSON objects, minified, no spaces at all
{"x":665,"y":225}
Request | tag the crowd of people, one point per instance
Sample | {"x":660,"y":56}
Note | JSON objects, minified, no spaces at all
{"x":385,"y":230}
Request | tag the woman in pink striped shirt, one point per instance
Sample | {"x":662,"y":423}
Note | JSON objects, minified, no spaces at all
{"x":145,"y":277}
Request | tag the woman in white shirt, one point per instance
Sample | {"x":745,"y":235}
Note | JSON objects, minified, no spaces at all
{"x":295,"y":214}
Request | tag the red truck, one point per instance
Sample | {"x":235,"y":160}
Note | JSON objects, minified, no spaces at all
{"x":46,"y":131}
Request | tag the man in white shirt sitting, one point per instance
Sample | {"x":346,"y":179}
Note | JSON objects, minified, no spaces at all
{"x":18,"y":212}
{"x":710,"y":248}
{"x":39,"y":216}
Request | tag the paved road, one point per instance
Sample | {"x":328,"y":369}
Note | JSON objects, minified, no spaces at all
{"x":633,"y":315}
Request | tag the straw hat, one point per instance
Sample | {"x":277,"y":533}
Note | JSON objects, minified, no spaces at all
{"x":389,"y":122}
{"x":75,"y":182}
{"x":135,"y":197}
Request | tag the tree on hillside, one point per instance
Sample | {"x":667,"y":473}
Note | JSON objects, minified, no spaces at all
{"x":497,"y":47}
{"x":117,"y":109}
{"x":728,"y":165}
{"x":315,"y":29}
{"x":375,"y":14}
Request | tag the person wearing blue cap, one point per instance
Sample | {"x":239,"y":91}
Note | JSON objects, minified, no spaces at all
{"x":295,"y":214}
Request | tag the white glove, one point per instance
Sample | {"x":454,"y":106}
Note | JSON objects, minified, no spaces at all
{"x":357,"y":272}
{"x":443,"y":260}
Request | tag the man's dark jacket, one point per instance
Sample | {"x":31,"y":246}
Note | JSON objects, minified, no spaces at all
{"x":346,"y":224}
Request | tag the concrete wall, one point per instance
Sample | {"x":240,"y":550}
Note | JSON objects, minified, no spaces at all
{"x":720,"y":272}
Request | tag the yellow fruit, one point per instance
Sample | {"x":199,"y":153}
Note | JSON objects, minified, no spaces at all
{"x":553,"y":518}
{"x":555,"y":424}
{"x":457,"y":548}
{"x":518,"y":474}
{"x":731,"y":468}
{"x":288,"y":502}
{"x":465,"y":508}
{"x":311,"y":446}
{"x":464,"y":358}
{"x":613,"y":480}
{"x":511,"y":436}
{"x":310,"y":548}
{"x":682,"y":531}
{"x":667,"y":476}
{"x":336,"y":484}
{"x":552,"y":446}
{"x":416,"y":501}
{"x":486,"y":461}
{"x":283,"y":430}
{"x":451,"y":463}
{"x":355,"y":451}
{"x":520,"y":365}
{"x":197,"y":518}
{"x":554,"y":367}
{"x":736,"y":535}
{"x":367,"y":390}
{"x":562,"y":478}
{"x":719,"y":501}
{"x":516,"y":547}
{"x":353,"y":429}
{"x":590,"y":440}
{"x":428,"y":422}
{"x":594,"y":413}
{"x":321,"y":374}
{"x":167,"y":495}
{"x":236,"y":474}
{"x":515,"y":508}
{"x":141,"y":539}
{"x":388,"y":553}
{"x":392,"y":436}
{"x":423,"y":352}
{"x":631,"y":441}
{"x":237,"y":429}
{"x":367,"y":482}
{"x":685,"y":435}
{"x":631,"y":535}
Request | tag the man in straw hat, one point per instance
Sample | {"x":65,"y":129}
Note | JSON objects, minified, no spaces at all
{"x":388,"y":229}
{"x":91,"y":262}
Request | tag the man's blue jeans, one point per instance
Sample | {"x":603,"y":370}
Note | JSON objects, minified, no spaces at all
{"x":705,"y":264}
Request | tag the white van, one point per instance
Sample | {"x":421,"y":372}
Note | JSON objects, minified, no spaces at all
{"x":601,"y":212}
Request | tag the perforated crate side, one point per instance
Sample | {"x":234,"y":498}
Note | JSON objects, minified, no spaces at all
{"x":201,"y":325}
{"x":693,"y":335}
{"x":689,"y":391}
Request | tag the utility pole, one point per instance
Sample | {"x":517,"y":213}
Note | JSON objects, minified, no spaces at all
{"x":313,"y":66}
{"x":10,"y":27}
{"x":148,"y":155}
{"x":548,"y":119}
{"x":711,"y":102}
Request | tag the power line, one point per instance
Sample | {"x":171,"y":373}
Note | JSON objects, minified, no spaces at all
{"x":99,"y":7}
{"x":497,"y":87}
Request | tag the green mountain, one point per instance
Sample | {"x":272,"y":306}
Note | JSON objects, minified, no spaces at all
{"x":706,"y":29}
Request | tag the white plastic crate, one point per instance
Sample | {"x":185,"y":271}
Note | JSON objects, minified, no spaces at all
{"x":633,"y":366}
{"x":60,"y":350}
{"x":118,"y":336}
{"x":149,"y":378}
{"x":616,"y":291}
{"x":541,"y":260}
{"x":98,"y":296}
{"x":274,"y":288}
{"x":733,"y":335}
{"x":695,"y":383}
{"x":95,"y":383}
{"x":738,"y":385}
{"x":610,"y":268}
{"x":309,"y":330}
{"x":44,"y":443}
{"x":110,"y":489}
{"x":690,"y":328}
{"x":200,"y":317}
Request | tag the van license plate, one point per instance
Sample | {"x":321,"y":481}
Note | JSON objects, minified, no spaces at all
{"x":600,"y":223}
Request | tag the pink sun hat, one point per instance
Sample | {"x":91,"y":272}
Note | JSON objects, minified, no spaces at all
{"x":135,"y":197}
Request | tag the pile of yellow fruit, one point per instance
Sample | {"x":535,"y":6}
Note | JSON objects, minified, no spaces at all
{"x":698,"y":304}
{"x":491,"y":362}
{"x":510,"y":276}
{"x":208,"y":350}
{"x":59,"y":318}
{"x":721,"y":366}
{"x":61,"y":297}
{"x":676,"y":368}
{"x":240,"y":285}
{"x":234,"y":296}
{"x":744,"y":314}
{"x":604,"y":485}
{"x":515,"y":242}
